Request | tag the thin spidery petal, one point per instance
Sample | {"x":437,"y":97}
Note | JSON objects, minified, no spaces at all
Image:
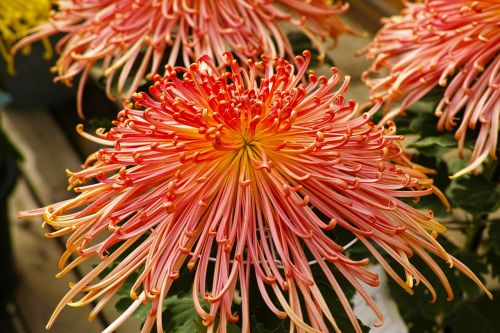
{"x":243,"y":176}
{"x":131,"y":39}
{"x":453,"y":44}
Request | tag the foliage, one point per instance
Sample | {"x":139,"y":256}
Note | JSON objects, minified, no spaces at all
{"x":179,"y":315}
{"x":478,"y":196}
{"x":301,"y":42}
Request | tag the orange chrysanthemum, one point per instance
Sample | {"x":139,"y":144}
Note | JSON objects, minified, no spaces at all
{"x":240,"y":177}
{"x":425,"y":47}
{"x":141,"y":35}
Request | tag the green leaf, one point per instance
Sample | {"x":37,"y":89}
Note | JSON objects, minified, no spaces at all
{"x":123,"y":304}
{"x":422,"y":316}
{"x":261,"y":319}
{"x":100,"y":122}
{"x":428,"y":103}
{"x":445,"y":140}
{"x":124,"y":300}
{"x":455,"y":164}
{"x":179,"y":290}
{"x":182,"y":286}
{"x":493,"y":259}
{"x":494,"y":235}
{"x":475,"y":194}
{"x":493,"y":253}
{"x":468,"y":319}
{"x":476,"y":317}
{"x":441,"y":181}
{"x":423,"y":121}
{"x":301,"y":42}
{"x":477,"y":265}
{"x":332,"y":300}
{"x":259,"y":327}
{"x":232,"y":328}
{"x":432,"y":202}
{"x":179,"y":315}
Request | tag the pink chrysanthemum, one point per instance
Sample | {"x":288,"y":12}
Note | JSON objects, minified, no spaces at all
{"x":141,"y":35}
{"x":229,"y":173}
{"x":432,"y":42}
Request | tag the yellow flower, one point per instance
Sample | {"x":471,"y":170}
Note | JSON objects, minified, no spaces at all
{"x":17,"y":18}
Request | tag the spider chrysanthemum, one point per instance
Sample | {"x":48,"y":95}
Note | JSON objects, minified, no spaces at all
{"x":238,"y":176}
{"x":131,"y":39}
{"x":454,"y":44}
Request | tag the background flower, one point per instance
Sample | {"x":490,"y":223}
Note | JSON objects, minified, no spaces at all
{"x":16,"y":19}
{"x":240,"y":177}
{"x":140,"y":36}
{"x":434,"y":42}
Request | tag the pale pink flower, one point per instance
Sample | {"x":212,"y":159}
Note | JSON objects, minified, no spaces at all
{"x":437,"y":41}
{"x":230,"y":173}
{"x":140,"y":36}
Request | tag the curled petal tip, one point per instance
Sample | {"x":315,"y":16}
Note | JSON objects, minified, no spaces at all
{"x":163,"y":194}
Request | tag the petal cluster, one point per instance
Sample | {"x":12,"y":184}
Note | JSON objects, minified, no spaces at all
{"x":454,"y":44}
{"x":17,"y":18}
{"x":240,"y":176}
{"x":131,"y":39}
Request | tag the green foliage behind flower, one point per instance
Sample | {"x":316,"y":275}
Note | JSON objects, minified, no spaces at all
{"x":476,"y":199}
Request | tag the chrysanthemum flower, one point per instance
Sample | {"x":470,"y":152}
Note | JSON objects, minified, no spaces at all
{"x":437,"y":41}
{"x":239,"y":177}
{"x":17,"y":18}
{"x":139,"y":36}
